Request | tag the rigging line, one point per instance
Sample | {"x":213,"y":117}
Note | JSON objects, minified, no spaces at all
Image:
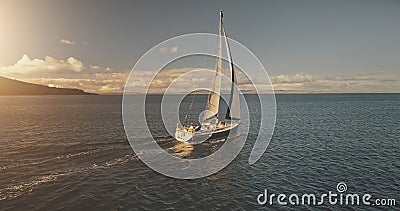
{"x":190,"y":106}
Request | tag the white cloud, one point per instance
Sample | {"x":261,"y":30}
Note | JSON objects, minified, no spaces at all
{"x":99,"y":68}
{"x":72,"y":63}
{"x":67,"y":42}
{"x":27,"y":66}
{"x":295,"y":83}
{"x":163,"y":50}
{"x":94,"y":67}
{"x":173,"y":50}
{"x":168,"y":50}
{"x":296,"y":78}
{"x":354,"y":83}
{"x":70,"y":73}
{"x":107,"y":83}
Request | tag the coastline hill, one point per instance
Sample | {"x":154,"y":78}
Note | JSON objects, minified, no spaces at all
{"x":15,"y":87}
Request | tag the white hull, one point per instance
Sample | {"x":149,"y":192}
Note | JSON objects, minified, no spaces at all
{"x":203,"y":135}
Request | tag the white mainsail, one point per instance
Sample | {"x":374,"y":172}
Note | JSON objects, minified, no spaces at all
{"x":214,"y":97}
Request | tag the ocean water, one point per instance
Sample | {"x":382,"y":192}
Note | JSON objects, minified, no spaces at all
{"x":71,"y":153}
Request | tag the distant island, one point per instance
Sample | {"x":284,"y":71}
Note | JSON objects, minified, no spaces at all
{"x":15,"y":87}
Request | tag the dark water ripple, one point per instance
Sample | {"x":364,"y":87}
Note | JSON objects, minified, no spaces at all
{"x":66,"y":153}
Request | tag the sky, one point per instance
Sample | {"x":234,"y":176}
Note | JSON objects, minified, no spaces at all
{"x":306,"y":46}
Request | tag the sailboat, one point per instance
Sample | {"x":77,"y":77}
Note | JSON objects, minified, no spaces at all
{"x":211,"y":127}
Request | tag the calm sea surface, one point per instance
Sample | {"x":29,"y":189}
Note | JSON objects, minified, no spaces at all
{"x":71,"y":153}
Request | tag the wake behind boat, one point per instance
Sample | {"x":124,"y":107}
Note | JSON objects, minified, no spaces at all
{"x":211,"y":127}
